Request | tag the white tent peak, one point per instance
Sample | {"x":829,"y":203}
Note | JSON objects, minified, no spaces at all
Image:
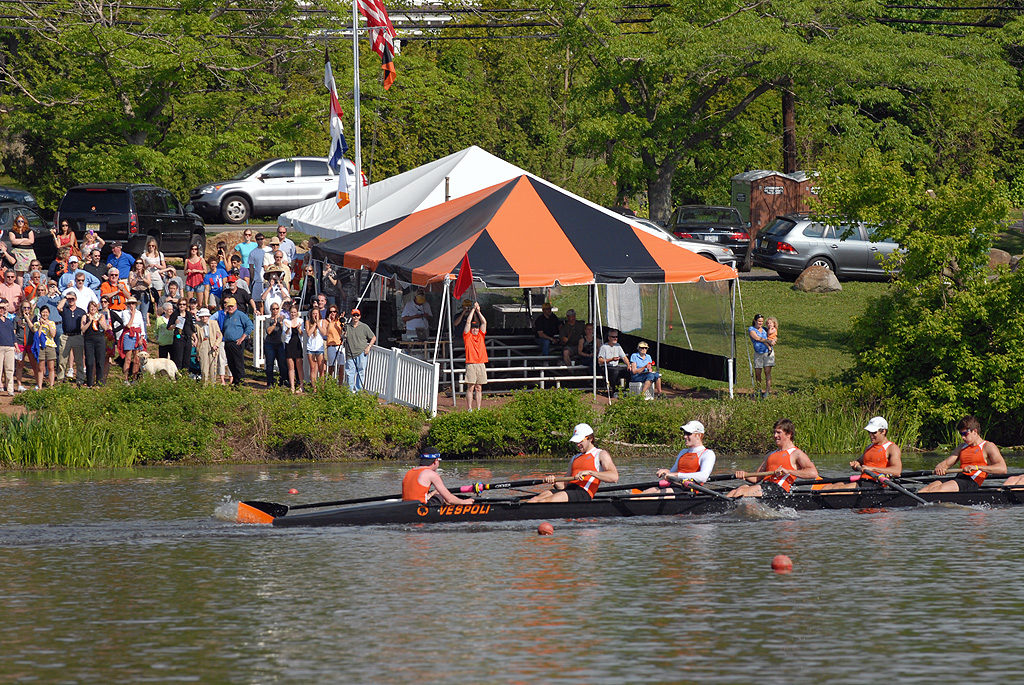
{"x":466,"y":171}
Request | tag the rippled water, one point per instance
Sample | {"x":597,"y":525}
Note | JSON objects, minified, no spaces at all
{"x":127,"y":576}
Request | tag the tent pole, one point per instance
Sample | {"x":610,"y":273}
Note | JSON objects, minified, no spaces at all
{"x":600,"y":321}
{"x":682,"y":321}
{"x":444,"y":305}
{"x":593,"y":351}
{"x":380,"y":289}
{"x":732,"y":338}
{"x":356,"y":118}
{"x":657,"y":326}
{"x":451,"y":351}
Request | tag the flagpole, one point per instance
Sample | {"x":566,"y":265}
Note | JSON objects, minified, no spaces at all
{"x":356,"y":122}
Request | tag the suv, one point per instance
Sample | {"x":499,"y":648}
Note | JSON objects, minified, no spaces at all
{"x":23,"y":196}
{"x":44,"y":246}
{"x":722,"y":225}
{"x":131,"y":213}
{"x":269,"y":188}
{"x":794,"y":242}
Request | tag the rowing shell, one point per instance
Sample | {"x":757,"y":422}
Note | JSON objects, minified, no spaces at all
{"x":624,"y":506}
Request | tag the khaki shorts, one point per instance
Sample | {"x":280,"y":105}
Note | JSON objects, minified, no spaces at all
{"x":764,"y":359}
{"x":476,"y":374}
{"x":48,"y":354}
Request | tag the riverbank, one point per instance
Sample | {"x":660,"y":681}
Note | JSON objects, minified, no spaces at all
{"x":155,"y":421}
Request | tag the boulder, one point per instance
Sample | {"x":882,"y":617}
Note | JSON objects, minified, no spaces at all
{"x":817,"y":279}
{"x":997,"y":257}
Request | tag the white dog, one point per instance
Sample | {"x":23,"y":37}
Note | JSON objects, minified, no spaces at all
{"x":155,"y":366}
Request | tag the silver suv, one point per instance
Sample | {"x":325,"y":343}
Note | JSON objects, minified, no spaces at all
{"x":269,"y":188}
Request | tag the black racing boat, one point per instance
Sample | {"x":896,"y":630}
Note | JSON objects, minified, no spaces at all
{"x":613,"y":506}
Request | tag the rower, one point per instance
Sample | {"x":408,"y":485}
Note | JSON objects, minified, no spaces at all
{"x":589,"y":468}
{"x":419,"y":480}
{"x":695,"y":462}
{"x":978,"y":458}
{"x":787,"y":464}
{"x":881,"y":456}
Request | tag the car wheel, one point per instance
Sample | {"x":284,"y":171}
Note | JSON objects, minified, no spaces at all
{"x":822,"y":261}
{"x":235,"y":209}
{"x":707,"y":255}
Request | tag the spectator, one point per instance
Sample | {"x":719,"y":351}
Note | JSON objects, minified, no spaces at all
{"x":116,"y":291}
{"x":245,"y":248}
{"x":259,"y":257}
{"x":195,"y":273}
{"x":416,"y":316}
{"x":8,"y":337}
{"x":321,"y":304}
{"x":164,"y":330}
{"x":331,"y":286}
{"x":157,"y":269}
{"x":23,"y":345}
{"x":237,"y":329}
{"x":112,"y":332}
{"x":141,"y":288}
{"x":65,"y":238}
{"x":315,"y":329}
{"x":22,"y":239}
{"x":236,"y":271}
{"x":359,"y":338}
{"x":9,"y":289}
{"x":183,"y":322}
{"x":71,"y":363}
{"x":585,"y":347}
{"x":90,"y":243}
{"x":467,"y":310}
{"x":292,"y":337}
{"x":172,"y":296}
{"x":569,"y":336}
{"x":7,"y":258}
{"x":33,"y":288}
{"x":308,"y":286}
{"x":50,"y":302}
{"x":273,"y":346}
{"x":546,"y":328}
{"x":120,"y":260}
{"x":762,"y":355}
{"x":274,"y":292}
{"x":94,"y":266}
{"x":44,"y":348}
{"x":286,"y":246}
{"x":614,"y":358}
{"x":240,"y":296}
{"x":94,"y":334}
{"x":81,"y":283}
{"x":282,"y":269}
{"x":133,"y":338}
{"x":642,"y":367}
{"x":59,"y":266}
{"x":474,"y":335}
{"x":207,"y":340}
{"x":74,"y":268}
{"x":335,"y":334}
{"x":213,"y":283}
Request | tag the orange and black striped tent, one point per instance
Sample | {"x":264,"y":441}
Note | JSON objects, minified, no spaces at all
{"x":520,"y":233}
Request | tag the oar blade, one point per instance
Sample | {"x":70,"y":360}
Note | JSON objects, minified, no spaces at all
{"x":260,"y":512}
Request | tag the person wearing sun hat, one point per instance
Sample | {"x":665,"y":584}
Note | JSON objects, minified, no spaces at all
{"x":587,"y":470}
{"x":641,"y":365}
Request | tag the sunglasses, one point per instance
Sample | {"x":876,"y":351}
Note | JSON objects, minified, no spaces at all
{"x":965,"y":433}
{"x":356,"y":316}
{"x":687,"y":433}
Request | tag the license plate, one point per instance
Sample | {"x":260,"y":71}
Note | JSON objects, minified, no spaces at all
{"x":92,"y":227}
{"x":711,"y":238}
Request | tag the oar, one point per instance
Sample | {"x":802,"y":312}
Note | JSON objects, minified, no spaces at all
{"x":882,"y":478}
{"x":480,"y":487}
{"x":693,"y":485}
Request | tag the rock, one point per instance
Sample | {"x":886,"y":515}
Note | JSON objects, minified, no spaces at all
{"x":817,"y":279}
{"x":1015,"y":262}
{"x":997,"y":257}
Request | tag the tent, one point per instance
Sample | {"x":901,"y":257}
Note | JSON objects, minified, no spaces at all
{"x":520,"y":233}
{"x":450,"y":177}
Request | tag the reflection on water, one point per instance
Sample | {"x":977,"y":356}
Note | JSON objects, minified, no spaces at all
{"x":127,"y":576}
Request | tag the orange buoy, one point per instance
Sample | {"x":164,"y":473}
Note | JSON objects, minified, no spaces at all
{"x":782,"y":564}
{"x":545,"y":529}
{"x":293,"y":491}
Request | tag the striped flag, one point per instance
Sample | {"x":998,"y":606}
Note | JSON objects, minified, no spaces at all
{"x":336,"y":156}
{"x":382,"y":36}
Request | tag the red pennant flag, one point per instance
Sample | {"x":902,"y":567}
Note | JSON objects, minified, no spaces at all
{"x":465,"y":280}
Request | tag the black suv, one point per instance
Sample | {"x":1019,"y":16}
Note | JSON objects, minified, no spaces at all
{"x":131,"y":213}
{"x":720,"y":225}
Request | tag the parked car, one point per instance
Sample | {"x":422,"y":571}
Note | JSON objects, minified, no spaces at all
{"x":23,"y":196}
{"x":794,"y":242}
{"x":720,"y":225}
{"x":44,"y":246}
{"x":131,"y":213}
{"x":715,"y":253}
{"x":269,"y":188}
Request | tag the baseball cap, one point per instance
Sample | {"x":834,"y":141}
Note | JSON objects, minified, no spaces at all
{"x":72,"y":258}
{"x":877,"y":423}
{"x":693,"y":427}
{"x":356,"y":311}
{"x":581,"y":431}
{"x":228,"y":301}
{"x":642,"y":345}
{"x":232,"y":278}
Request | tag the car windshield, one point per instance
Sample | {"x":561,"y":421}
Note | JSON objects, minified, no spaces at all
{"x":707,"y":215}
{"x":95,"y":201}
{"x":250,"y":170}
{"x":779,"y":228}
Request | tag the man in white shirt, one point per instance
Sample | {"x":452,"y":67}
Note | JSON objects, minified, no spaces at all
{"x":416,"y":315}
{"x":82,"y":290}
{"x":287,"y":246}
{"x":259,"y":257}
{"x":614,"y":358}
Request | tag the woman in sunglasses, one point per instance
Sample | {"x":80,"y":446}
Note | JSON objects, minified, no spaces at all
{"x":22,"y":239}
{"x":65,"y":237}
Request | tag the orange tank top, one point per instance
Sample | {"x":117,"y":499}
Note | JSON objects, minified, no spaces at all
{"x":476,"y":349}
{"x":587,"y":461}
{"x":973,"y":455}
{"x":781,"y":459}
{"x":876,"y":456}
{"x":412,"y":490}
{"x":688,"y":462}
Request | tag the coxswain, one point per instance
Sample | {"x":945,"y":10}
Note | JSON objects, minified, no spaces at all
{"x":881,"y":456}
{"x":978,"y":458}
{"x":786,"y":464}
{"x":694,"y":462}
{"x":418,"y":482}
{"x":588,"y":469}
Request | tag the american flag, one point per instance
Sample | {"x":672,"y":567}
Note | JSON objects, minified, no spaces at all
{"x":382,"y":36}
{"x":336,"y":156}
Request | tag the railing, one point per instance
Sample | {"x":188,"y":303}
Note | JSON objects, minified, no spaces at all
{"x":396,"y":377}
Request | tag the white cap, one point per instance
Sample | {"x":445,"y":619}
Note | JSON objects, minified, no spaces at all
{"x":693,"y":427}
{"x":581,"y":431}
{"x":203,"y":312}
{"x":877,"y":423}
